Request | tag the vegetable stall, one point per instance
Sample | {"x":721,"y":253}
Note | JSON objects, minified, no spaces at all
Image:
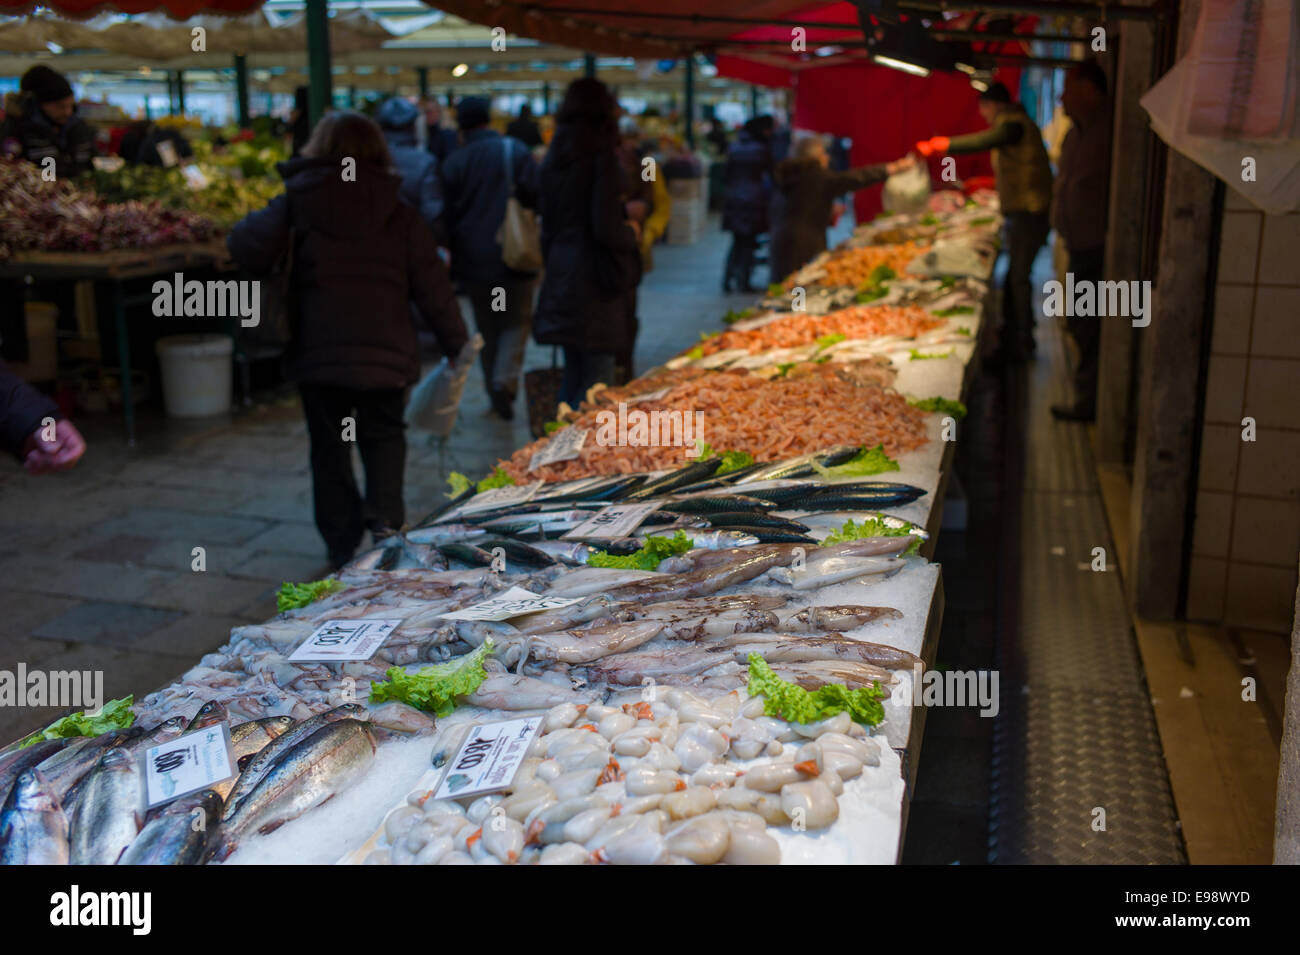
{"x":622,"y":646}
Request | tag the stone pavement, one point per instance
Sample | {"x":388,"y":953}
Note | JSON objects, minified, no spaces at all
{"x":96,"y":563}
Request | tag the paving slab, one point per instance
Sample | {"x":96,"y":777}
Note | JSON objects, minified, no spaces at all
{"x":104,"y":623}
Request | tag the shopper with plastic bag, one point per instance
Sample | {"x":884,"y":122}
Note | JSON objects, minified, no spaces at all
{"x":358,"y":258}
{"x":1024,"y":182}
{"x":802,"y":207}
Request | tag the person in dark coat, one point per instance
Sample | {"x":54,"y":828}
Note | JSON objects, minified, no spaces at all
{"x":591,"y":247}
{"x":524,"y":128}
{"x":41,"y":123}
{"x":806,"y":190}
{"x":440,"y":141}
{"x":300,"y":121}
{"x":421,"y":187}
{"x":474,"y":187}
{"x":748,"y":178}
{"x":33,"y":429}
{"x":141,"y":144}
{"x":361,"y":259}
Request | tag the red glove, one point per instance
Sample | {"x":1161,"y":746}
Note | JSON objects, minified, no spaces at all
{"x":935,"y":146}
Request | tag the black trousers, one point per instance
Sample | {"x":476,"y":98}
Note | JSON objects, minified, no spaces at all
{"x":1025,"y":234}
{"x":1087,"y":266}
{"x":378,"y":431}
{"x":740,"y":260}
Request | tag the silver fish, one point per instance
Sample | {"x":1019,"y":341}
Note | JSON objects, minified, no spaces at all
{"x":178,"y":834}
{"x":301,"y":778}
{"x":110,"y":810}
{"x":33,"y":828}
{"x":264,"y":760}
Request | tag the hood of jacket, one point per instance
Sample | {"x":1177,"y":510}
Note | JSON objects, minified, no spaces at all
{"x":790,"y":171}
{"x":320,"y":198}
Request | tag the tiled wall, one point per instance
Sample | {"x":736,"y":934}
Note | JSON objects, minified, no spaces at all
{"x":1247,"y":534}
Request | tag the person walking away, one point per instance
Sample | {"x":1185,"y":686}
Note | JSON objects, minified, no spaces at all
{"x":361,"y":259}
{"x":33,"y":429}
{"x":747,"y":192}
{"x":591,"y":247}
{"x":524,"y":128}
{"x":474,"y":187}
{"x":1024,"y":183}
{"x":421,"y":187}
{"x":802,"y":205}
{"x":299,"y":121}
{"x":638,"y":193}
{"x":441,"y":142}
{"x":1079,"y":206}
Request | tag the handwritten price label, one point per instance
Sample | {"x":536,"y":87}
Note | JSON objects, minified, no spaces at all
{"x":515,"y":602}
{"x":613,"y":522}
{"x":565,"y":445}
{"x":489,"y":758}
{"x":188,"y":763}
{"x":341,"y":641}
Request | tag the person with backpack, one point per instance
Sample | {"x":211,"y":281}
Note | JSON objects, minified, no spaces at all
{"x":478,"y":179}
{"x":360,"y":258}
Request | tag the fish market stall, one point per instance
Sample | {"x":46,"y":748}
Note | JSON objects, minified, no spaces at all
{"x":610,"y":650}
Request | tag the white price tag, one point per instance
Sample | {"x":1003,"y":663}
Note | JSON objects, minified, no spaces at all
{"x":166,"y":152}
{"x":648,"y":396}
{"x":107,"y":163}
{"x":565,"y":445}
{"x":194,"y":177}
{"x":341,"y":641}
{"x":188,"y":763}
{"x":515,"y":602}
{"x":613,"y":522}
{"x":489,"y":758}
{"x":500,"y":497}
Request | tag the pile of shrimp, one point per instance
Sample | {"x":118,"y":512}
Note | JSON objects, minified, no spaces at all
{"x":855,"y":322}
{"x":848,"y":266}
{"x":738,"y":411}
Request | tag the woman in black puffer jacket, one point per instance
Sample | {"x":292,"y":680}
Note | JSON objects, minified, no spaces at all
{"x":591,"y":248}
{"x":361,"y":259}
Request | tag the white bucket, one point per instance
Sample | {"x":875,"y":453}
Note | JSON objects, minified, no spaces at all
{"x":196,"y":374}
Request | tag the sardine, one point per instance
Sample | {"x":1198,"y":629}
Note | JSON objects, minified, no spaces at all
{"x":299,"y":779}
{"x":838,"y":618}
{"x":178,"y":834}
{"x":715,"y":503}
{"x":110,"y":810}
{"x":755,"y":519}
{"x":33,"y":827}
{"x":465,"y":553}
{"x":690,"y":474}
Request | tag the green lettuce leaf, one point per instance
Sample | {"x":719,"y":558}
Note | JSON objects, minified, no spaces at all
{"x":734,"y":315}
{"x":459,"y":484}
{"x":963,"y":330}
{"x":867,"y":296}
{"x":789,"y":701}
{"x":775,"y":290}
{"x":871,"y":527}
{"x":955,"y":310}
{"x":881,"y":274}
{"x":695,"y":354}
{"x":113,"y":715}
{"x":954,"y":408}
{"x":434,"y":688}
{"x":292,"y":596}
{"x":826,"y":341}
{"x":864,"y":463}
{"x":648,"y":557}
{"x":498,"y":478}
{"x":914,"y":355}
{"x":734,"y":461}
{"x":553,"y":426}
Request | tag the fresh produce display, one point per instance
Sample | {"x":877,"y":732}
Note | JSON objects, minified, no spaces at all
{"x":712,"y":636}
{"x":57,"y":217}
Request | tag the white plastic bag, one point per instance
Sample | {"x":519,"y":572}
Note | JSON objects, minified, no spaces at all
{"x":907,"y":191}
{"x":435,"y":399}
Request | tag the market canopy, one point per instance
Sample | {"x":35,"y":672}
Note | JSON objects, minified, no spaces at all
{"x":155,"y":36}
{"x":176,"y":9}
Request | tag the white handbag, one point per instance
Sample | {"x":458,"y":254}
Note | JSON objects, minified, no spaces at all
{"x":521,"y":241}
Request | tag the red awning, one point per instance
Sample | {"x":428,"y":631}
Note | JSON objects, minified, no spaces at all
{"x":84,"y":9}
